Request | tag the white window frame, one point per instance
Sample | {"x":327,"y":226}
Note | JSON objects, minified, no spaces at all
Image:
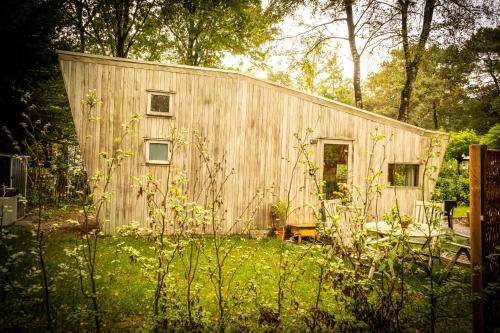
{"x":161,"y":141}
{"x":170,"y":94}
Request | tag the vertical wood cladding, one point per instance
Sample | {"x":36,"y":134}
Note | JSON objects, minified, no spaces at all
{"x":249,"y":121}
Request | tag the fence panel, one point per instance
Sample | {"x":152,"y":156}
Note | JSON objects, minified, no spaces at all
{"x":491,"y":235}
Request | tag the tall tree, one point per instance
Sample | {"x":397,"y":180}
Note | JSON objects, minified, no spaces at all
{"x":486,"y":44}
{"x":112,"y":27}
{"x":484,"y":49}
{"x":200,"y":32}
{"x":364,"y":30}
{"x":423,"y":22}
{"x":356,"y":58}
{"x":412,"y":53}
{"x":453,"y":90}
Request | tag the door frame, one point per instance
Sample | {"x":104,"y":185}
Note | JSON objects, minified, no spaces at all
{"x":350,"y":156}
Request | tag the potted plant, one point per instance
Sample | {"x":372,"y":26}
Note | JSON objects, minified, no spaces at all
{"x":279,"y":214}
{"x":405,"y":221}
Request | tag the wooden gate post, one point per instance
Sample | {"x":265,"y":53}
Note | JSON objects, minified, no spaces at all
{"x":475,"y":236}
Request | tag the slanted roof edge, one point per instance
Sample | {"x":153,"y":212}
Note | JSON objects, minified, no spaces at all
{"x":314,"y":98}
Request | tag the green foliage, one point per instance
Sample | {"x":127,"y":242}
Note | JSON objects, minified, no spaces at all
{"x":439,"y":92}
{"x":455,"y":88}
{"x":317,"y":71}
{"x":453,"y":188}
{"x":453,"y":180}
{"x":458,"y":145}
{"x":383,"y":88}
{"x":452,"y":184}
{"x":279,"y":210}
{"x":460,"y":211}
{"x":30,"y":28}
{"x":20,"y":280}
{"x":126,"y":264}
{"x":199,"y":32}
{"x":484,"y":49}
{"x":116,"y":28}
{"x":492,"y":138}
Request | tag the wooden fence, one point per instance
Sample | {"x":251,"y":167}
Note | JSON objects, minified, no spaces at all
{"x":485,"y":236}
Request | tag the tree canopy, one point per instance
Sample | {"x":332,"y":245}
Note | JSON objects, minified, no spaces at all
{"x":455,"y":54}
{"x":458,"y":146}
{"x":492,"y":138}
{"x":31,"y":34}
{"x":199,"y":32}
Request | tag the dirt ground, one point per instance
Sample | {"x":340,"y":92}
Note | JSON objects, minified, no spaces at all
{"x":56,"y":223}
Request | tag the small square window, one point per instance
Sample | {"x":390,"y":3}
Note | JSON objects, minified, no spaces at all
{"x":403,"y":174}
{"x":159,"y":103}
{"x":158,"y":152}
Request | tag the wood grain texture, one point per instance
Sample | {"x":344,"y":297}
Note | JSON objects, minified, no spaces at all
{"x":250,"y":122}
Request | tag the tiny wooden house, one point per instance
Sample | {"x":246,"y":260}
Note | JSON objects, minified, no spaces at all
{"x":252,"y":123}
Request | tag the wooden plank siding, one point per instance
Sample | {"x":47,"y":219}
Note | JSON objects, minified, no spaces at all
{"x":250,"y":122}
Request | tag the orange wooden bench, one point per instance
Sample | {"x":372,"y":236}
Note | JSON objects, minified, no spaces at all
{"x":304,"y":230}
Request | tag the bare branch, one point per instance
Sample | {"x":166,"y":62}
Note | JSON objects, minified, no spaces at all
{"x":311,"y":29}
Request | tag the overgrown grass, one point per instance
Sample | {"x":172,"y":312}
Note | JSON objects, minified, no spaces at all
{"x":126,"y":290}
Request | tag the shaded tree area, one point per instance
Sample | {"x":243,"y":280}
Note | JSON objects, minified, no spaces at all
{"x":112,"y":27}
{"x":437,"y":75}
{"x":484,"y":49}
{"x":421,"y":24}
{"x":437,"y":93}
{"x":190,"y":32}
{"x":30,"y":80}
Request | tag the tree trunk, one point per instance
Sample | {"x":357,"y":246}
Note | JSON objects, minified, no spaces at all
{"x":412,"y":62}
{"x":356,"y":59}
{"x":80,"y":26}
{"x":122,"y":11}
{"x":404,"y":107}
{"x":192,"y":57}
{"x":435,"y":115}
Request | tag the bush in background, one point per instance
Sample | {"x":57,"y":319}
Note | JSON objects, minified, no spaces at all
{"x":452,"y":185}
{"x":492,"y":138}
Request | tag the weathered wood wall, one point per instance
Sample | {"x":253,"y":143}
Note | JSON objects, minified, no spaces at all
{"x":251,"y":121}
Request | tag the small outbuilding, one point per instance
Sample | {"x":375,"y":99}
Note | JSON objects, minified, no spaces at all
{"x":13,"y":182}
{"x":252,"y":123}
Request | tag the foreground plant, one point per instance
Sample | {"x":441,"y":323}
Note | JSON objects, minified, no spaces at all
{"x":93,"y":199}
{"x":36,"y":146}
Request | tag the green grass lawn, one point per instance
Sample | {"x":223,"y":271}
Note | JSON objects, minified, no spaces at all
{"x":460,"y":211}
{"x":126,"y":284}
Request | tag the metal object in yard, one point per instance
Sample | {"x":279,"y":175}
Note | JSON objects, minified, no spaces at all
{"x":449,"y":206}
{"x":13,"y":179}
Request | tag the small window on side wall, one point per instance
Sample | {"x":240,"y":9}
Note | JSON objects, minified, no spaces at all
{"x":403,"y":174}
{"x":158,"y":152}
{"x":159,"y":104}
